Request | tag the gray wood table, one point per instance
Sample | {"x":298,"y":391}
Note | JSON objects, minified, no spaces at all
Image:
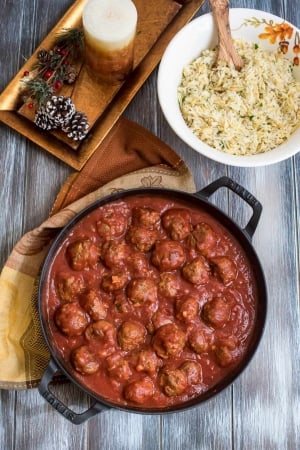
{"x":261,"y":410}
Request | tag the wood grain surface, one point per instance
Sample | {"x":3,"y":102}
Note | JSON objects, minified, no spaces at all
{"x":261,"y":410}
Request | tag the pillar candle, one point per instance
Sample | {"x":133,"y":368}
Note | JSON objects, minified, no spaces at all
{"x":109,"y":31}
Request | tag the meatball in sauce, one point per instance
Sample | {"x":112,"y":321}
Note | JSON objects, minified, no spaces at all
{"x":139,"y":391}
{"x":224,"y":268}
{"x":71,"y":319}
{"x":197,"y":271}
{"x":168,"y":255}
{"x":69,"y":286}
{"x":84,"y":361}
{"x":94,"y":304}
{"x":177,"y":222}
{"x":113,"y":221}
{"x":187,"y":308}
{"x":146,"y":217}
{"x":169,"y":341}
{"x":173,"y":381}
{"x":131,"y":335}
{"x":216,"y":312}
{"x":115,"y":254}
{"x":203,"y":239}
{"x":141,"y":238}
{"x":83,"y":254}
{"x":141,"y":290}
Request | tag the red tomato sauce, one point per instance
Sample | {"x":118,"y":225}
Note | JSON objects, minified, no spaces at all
{"x":149,"y":302}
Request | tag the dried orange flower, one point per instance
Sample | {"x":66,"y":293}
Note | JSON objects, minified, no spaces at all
{"x":277,"y":31}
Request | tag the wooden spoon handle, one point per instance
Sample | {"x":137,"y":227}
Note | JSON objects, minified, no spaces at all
{"x":226,"y":50}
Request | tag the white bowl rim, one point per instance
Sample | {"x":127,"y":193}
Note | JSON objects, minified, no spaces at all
{"x":173,"y":115}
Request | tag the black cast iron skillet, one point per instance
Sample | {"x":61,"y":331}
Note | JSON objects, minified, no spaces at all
{"x":243,"y":236}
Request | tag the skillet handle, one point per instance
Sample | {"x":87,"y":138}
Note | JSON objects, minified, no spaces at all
{"x":241,"y":192}
{"x":68,"y":414}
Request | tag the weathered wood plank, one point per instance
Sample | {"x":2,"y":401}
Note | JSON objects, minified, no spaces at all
{"x":266,"y":395}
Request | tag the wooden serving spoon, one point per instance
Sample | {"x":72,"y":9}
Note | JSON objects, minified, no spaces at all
{"x":226,"y":50}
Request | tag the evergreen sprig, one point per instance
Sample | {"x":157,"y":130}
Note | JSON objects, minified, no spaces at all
{"x":71,"y":39}
{"x":52,"y":67}
{"x":39,"y":91}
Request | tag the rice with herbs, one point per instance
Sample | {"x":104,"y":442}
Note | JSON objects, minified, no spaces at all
{"x":242,"y":113}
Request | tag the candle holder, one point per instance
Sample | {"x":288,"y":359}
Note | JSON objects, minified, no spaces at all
{"x":109,"y":30}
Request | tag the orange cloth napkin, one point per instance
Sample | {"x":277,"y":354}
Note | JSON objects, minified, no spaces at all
{"x":129,"y":157}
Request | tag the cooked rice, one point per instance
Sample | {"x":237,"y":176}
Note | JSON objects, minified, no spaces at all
{"x":242,"y":113}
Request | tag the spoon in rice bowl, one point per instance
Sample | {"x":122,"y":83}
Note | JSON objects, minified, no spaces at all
{"x":226,"y":50}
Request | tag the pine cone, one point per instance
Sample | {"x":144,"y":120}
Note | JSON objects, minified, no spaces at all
{"x":70,"y":74}
{"x":43,"y":121}
{"x":60,"y":110}
{"x":44,"y":56}
{"x":78,"y":126}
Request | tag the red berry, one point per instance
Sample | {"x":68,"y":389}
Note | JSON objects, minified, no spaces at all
{"x":26,"y":73}
{"x":48,"y":74}
{"x":63,"y":52}
{"x":57,"y":84}
{"x":30,"y":105}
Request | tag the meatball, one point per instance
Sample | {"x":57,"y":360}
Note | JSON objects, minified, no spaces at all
{"x":169,"y":341}
{"x":131,"y":335}
{"x":199,"y":340}
{"x":224,"y":350}
{"x":71,"y":319}
{"x":114,"y":282}
{"x":193,"y":372}
{"x":173,"y":381}
{"x":147,"y":362}
{"x":159,"y":319}
{"x":69,"y":286}
{"x":118,"y":367}
{"x":224,"y":356}
{"x":224,"y":268}
{"x":177,"y":222}
{"x":203,"y":238}
{"x":146,"y":217}
{"x":83,"y":254}
{"x":102,"y":331}
{"x":187,"y":308}
{"x":137,"y":264}
{"x":141,"y":237}
{"x":139,"y":391}
{"x":142,"y":290}
{"x":122,"y":304}
{"x":84,"y":361}
{"x":168,"y":255}
{"x":197,"y":271}
{"x":169,"y":285}
{"x":115,"y":254}
{"x":113,"y":223}
{"x":93,"y":304}
{"x":216,"y":312}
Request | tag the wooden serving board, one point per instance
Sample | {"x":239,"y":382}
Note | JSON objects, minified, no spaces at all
{"x":158,"y":22}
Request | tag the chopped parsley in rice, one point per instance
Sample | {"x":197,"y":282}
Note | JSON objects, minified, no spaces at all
{"x":241,"y":113}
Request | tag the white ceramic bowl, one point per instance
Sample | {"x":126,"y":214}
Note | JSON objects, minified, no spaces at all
{"x":189,"y":42}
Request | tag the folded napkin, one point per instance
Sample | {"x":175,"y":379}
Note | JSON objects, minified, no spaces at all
{"x":129,"y":157}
